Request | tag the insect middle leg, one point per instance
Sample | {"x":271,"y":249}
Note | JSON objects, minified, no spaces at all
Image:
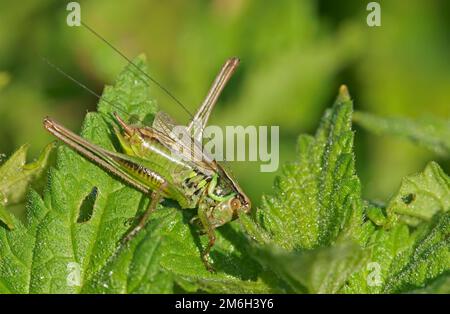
{"x":155,"y":199}
{"x":209,"y":230}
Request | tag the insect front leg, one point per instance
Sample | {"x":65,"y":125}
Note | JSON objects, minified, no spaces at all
{"x":209,"y":230}
{"x":155,"y":199}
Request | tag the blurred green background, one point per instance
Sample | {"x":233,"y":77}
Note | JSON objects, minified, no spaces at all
{"x":294,"y":55}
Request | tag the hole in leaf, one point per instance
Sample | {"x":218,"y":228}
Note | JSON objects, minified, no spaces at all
{"x":408,"y":198}
{"x":87,"y":206}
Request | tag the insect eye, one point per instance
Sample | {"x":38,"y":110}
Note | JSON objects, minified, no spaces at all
{"x":235,"y":203}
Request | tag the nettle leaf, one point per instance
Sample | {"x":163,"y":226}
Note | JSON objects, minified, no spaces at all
{"x":317,"y":203}
{"x":421,"y":196}
{"x":71,"y":240}
{"x":387,"y":256}
{"x":168,"y":250}
{"x":321,"y":270}
{"x":317,"y":196}
{"x":432,"y":133}
{"x":428,"y":258}
{"x":440,"y":285}
{"x":16,"y":177}
{"x":403,"y":257}
{"x":382,"y":247}
{"x":6,"y":217}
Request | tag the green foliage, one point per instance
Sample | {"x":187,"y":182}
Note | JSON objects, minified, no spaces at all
{"x":6,"y":217}
{"x":16,"y":177}
{"x":427,"y":258}
{"x":390,"y":256}
{"x":36,"y":257}
{"x":405,"y":258}
{"x":423,"y":195}
{"x":319,"y":195}
{"x":323,"y":270}
{"x":432,"y":133}
{"x":314,"y":234}
{"x":440,"y":285}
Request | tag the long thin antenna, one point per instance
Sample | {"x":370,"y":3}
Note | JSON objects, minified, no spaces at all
{"x":82,"y":85}
{"x":138,"y":68}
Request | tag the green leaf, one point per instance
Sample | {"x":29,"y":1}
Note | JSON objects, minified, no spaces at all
{"x":135,"y":269}
{"x":376,"y":214}
{"x":317,"y":198}
{"x":167,"y":252}
{"x":421,"y":196}
{"x":57,"y":252}
{"x":381,"y":247}
{"x":58,"y":247}
{"x":322,"y":270}
{"x":432,"y":133}
{"x":440,"y":285}
{"x":6,"y":217}
{"x":409,"y":248}
{"x":387,"y":253}
{"x":16,"y":177}
{"x":402,"y":259}
{"x":319,"y":195}
{"x":428,"y":258}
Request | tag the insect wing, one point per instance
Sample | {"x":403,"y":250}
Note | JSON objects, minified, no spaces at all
{"x":180,"y":142}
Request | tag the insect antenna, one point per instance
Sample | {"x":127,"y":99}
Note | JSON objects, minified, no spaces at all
{"x":61,"y":71}
{"x":165,"y":90}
